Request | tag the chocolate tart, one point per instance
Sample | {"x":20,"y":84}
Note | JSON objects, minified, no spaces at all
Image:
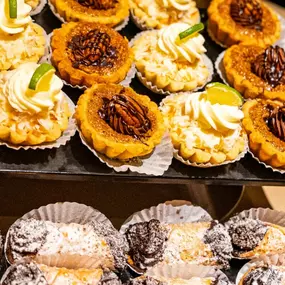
{"x":248,"y":21}
{"x":107,"y":12}
{"x":264,"y":123}
{"x":118,"y":122}
{"x":86,"y":53}
{"x":255,"y":71}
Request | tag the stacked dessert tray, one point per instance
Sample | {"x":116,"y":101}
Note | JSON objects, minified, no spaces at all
{"x":74,"y":160}
{"x":71,"y":243}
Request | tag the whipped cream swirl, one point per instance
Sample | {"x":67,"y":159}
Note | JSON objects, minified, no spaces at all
{"x":189,"y":49}
{"x":17,"y":25}
{"x":180,"y":5}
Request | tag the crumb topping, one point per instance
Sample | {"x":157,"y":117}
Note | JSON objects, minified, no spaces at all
{"x":263,"y":276}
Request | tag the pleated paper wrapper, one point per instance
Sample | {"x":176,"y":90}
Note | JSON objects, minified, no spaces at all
{"x":39,"y":8}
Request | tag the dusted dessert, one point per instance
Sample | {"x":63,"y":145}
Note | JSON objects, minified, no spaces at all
{"x":34,"y":110}
{"x":252,"y":237}
{"x":39,"y":274}
{"x":156,"y":14}
{"x":107,"y":12}
{"x":95,"y":244}
{"x":86,"y":53}
{"x":172,"y":58}
{"x":20,"y":39}
{"x":153,"y":243}
{"x":256,"y":71}
{"x":206,"y":127}
{"x":243,"y":21}
{"x":264,"y":123}
{"x":147,"y":280}
{"x":118,"y":122}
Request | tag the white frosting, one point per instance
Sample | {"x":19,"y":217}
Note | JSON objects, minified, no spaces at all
{"x":17,"y":25}
{"x":180,"y":5}
{"x":189,"y":49}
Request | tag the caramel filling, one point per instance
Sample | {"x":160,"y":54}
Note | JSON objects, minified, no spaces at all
{"x":92,"y":49}
{"x":98,"y":4}
{"x":125,"y":115}
{"x":270,"y":66}
{"x":276,"y":122}
{"x":247,"y":13}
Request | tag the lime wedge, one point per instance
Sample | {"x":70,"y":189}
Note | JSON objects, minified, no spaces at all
{"x":42,"y":77}
{"x":13,"y":9}
{"x":192,"y":30}
{"x":218,"y":93}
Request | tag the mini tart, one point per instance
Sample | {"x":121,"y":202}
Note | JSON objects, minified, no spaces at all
{"x":28,"y":46}
{"x":254,"y":73}
{"x":108,"y":60}
{"x":118,"y":122}
{"x":231,"y":23}
{"x":107,"y":12}
{"x":264,"y":124}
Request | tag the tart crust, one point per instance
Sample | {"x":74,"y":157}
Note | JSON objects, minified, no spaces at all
{"x":223,"y":29}
{"x":237,"y":61}
{"x":72,"y":11}
{"x":262,"y":142}
{"x":87,"y":76}
{"x":104,"y":138}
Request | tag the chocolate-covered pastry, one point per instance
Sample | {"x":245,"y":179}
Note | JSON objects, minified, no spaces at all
{"x":252,"y":237}
{"x":30,"y":273}
{"x":152,"y":242}
{"x":67,"y":245}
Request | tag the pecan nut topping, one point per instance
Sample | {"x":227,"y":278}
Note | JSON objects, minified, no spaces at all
{"x":270,"y":66}
{"x":98,"y":4}
{"x":92,"y":49}
{"x":125,"y":115}
{"x":247,"y":13}
{"x":276,"y":122}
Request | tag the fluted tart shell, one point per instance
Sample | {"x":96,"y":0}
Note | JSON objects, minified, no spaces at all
{"x":73,"y":11}
{"x":89,"y":75}
{"x":237,"y":62}
{"x":104,"y":139}
{"x":224,"y":30}
{"x":262,"y":142}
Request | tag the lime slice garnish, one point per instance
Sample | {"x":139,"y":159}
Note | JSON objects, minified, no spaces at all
{"x":218,"y":93}
{"x":13,"y":9}
{"x":42,"y":77}
{"x":192,"y":30}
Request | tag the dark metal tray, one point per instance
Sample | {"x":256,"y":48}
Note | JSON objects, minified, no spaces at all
{"x":75,"y":161}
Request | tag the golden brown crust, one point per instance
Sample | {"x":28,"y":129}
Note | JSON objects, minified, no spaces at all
{"x":225,"y":31}
{"x":62,"y":56}
{"x":104,"y":138}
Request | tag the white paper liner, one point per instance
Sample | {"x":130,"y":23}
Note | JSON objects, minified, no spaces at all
{"x":282,"y":171}
{"x":168,"y":214}
{"x":185,"y":271}
{"x":65,"y":137}
{"x":67,"y":212}
{"x":118,"y":27}
{"x":126,"y":82}
{"x":39,"y":8}
{"x":275,"y":260}
{"x":156,"y":164}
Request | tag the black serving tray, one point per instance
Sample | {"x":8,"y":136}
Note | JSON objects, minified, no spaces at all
{"x":75,"y":161}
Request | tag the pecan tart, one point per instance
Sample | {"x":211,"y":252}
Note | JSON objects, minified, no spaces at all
{"x":107,"y":12}
{"x":118,"y":122}
{"x":264,"y":123}
{"x":255,"y":71}
{"x":249,"y":21}
{"x":86,"y":53}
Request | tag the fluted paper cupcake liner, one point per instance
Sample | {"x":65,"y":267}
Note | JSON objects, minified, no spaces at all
{"x":155,"y":164}
{"x":168,"y":214}
{"x":39,"y":8}
{"x":118,"y":27}
{"x":275,"y":260}
{"x":65,"y":137}
{"x":186,"y":271}
{"x":282,"y":171}
{"x":67,"y":212}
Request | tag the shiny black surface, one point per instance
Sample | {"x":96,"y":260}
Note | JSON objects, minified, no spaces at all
{"x":74,"y":161}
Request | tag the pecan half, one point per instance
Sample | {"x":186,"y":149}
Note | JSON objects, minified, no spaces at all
{"x":276,"y":122}
{"x":98,"y":4}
